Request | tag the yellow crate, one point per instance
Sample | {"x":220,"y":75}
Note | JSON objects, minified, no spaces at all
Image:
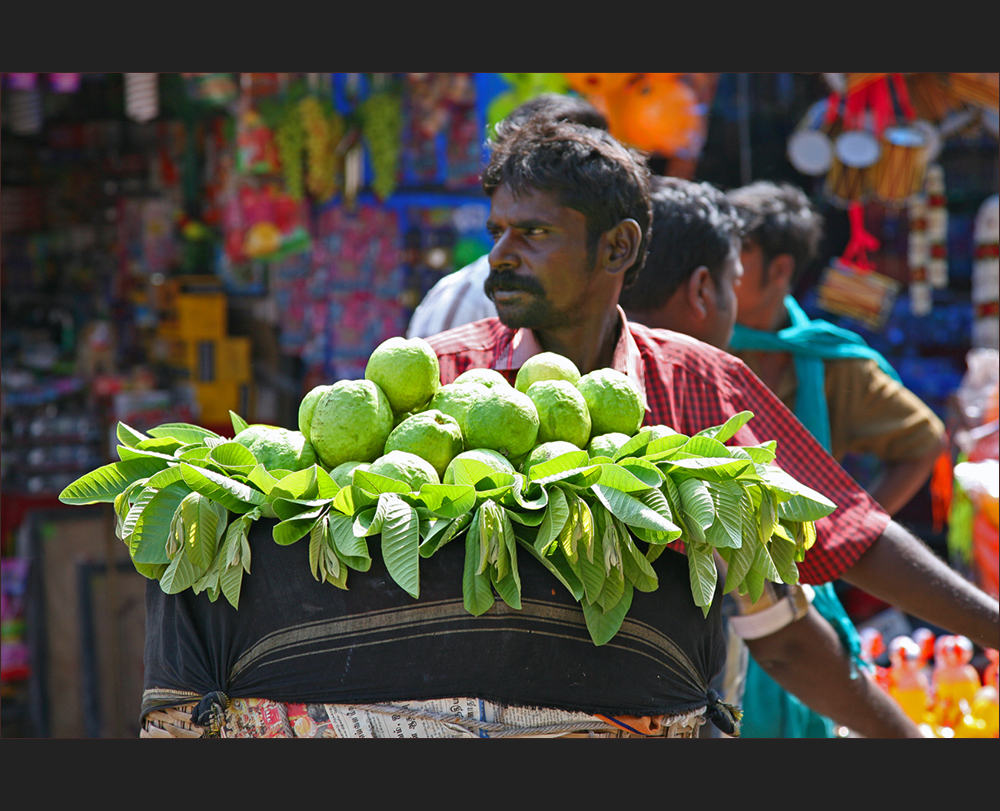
{"x":234,"y":356}
{"x":211,"y":360}
{"x":195,"y":316}
{"x":217,"y":399}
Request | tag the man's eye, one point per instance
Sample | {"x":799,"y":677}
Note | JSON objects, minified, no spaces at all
{"x":532,"y":232}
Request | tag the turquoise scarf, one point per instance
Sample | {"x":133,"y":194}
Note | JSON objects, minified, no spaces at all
{"x":769,"y":711}
{"x":810,"y":342}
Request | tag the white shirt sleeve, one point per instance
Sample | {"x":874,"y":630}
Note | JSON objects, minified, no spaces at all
{"x":455,"y":300}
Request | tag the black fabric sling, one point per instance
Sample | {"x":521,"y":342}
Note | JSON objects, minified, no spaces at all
{"x":294,"y":639}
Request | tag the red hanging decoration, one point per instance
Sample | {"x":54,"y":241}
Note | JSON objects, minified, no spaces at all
{"x":856,"y":253}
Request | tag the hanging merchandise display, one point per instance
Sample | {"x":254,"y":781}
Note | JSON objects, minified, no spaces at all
{"x":850,"y":286}
{"x":382,"y":124}
{"x":928,"y":241}
{"x":64,"y":82}
{"x":142,"y":100}
{"x":525,"y":86}
{"x":215,"y":88}
{"x":26,"y":111}
{"x":986,"y":276}
{"x":660,"y":113}
{"x":810,"y":146}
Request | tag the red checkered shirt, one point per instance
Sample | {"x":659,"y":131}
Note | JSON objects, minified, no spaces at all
{"x":690,"y":386}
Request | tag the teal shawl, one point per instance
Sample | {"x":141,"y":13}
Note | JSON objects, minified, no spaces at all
{"x":769,"y":711}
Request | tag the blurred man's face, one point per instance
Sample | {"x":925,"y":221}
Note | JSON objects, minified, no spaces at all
{"x":719,"y":326}
{"x":751,"y":292}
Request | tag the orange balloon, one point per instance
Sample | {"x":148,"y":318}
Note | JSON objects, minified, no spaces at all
{"x":658,"y":116}
{"x":604,"y":84}
{"x":662,"y":77}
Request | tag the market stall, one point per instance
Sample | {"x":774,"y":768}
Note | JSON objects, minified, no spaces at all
{"x":177,"y":247}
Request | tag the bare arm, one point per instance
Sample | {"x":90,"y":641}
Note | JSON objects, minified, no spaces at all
{"x":901,"y":570}
{"x":808,"y":660}
{"x":900,"y":482}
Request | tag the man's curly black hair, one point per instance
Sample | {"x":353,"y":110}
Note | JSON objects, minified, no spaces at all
{"x":585,"y":168}
{"x":787,"y":222}
{"x":694,"y":225}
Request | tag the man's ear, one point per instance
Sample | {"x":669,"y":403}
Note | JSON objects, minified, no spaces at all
{"x":621,"y":245}
{"x":781,"y":269}
{"x":699,"y":290}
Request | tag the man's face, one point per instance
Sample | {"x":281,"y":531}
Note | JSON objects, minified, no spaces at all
{"x":754,"y":276}
{"x":540,"y":274}
{"x":731,"y":283}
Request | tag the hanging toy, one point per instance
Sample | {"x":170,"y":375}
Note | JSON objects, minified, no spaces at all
{"x":599,"y":84}
{"x":658,"y":115}
{"x":986,"y":276}
{"x":142,"y":101}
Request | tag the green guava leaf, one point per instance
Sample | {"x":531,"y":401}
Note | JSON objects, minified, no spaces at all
{"x":727,"y":529}
{"x":448,"y":500}
{"x":106,"y":482}
{"x":622,"y":478}
{"x":444,"y":531}
{"x":239,"y":424}
{"x":231,"y":494}
{"x":233,"y":456}
{"x":165,"y":444}
{"x":603,"y":625}
{"x":298,"y":484}
{"x":477,"y":591}
{"x":783,"y":557}
{"x":183,"y":431}
{"x":204,"y":526}
{"x":148,"y":539}
{"x":400,"y":542}
{"x":351,"y":549}
{"x":632,"y":510}
{"x":128,"y":435}
{"x":703,"y":575}
{"x":728,"y":429}
{"x":293,"y":529}
{"x":707,"y":468}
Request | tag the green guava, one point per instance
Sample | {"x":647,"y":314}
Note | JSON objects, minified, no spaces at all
{"x":545,"y":366}
{"x":278,"y":448}
{"x":562,"y":412}
{"x":351,"y":422}
{"x":614,"y":404}
{"x":432,"y":435}
{"x":406,"y":370}
{"x":505,"y":420}
{"x":405,"y":467}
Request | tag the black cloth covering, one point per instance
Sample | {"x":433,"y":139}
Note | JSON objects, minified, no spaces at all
{"x":294,"y":639}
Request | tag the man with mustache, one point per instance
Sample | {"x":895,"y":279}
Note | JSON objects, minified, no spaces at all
{"x":570,"y":220}
{"x":459,"y":298}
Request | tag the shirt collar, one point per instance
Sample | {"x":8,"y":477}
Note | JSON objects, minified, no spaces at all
{"x":626,"y":359}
